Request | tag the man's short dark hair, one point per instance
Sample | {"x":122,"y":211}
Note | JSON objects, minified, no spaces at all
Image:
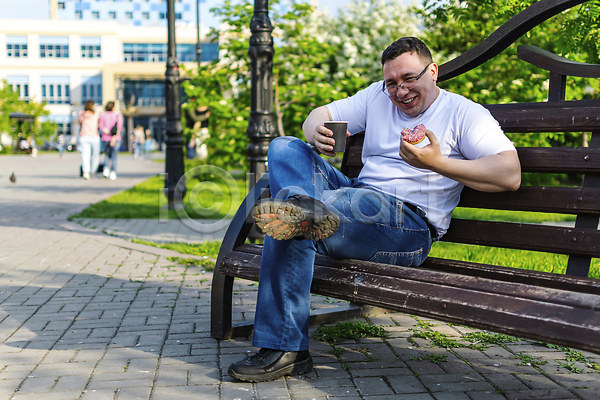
{"x":407,"y":45}
{"x":109,"y":106}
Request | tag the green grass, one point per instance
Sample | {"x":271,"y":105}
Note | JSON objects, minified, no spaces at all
{"x":434,"y":358}
{"x":206,"y":249}
{"x":206,"y":263}
{"x":509,"y":216}
{"x":546,"y":262}
{"x":208,"y":196}
{"x":349,"y":330}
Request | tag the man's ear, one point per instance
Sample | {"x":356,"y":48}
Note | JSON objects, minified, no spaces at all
{"x":434,"y":71}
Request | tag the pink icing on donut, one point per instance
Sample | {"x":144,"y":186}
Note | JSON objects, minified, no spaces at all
{"x":414,"y":136}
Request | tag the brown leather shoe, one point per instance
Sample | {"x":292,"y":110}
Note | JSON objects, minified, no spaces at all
{"x":268,"y":365}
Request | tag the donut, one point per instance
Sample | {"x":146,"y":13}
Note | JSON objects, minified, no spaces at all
{"x":414,"y":136}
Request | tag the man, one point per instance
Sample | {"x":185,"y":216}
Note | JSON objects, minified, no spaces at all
{"x":392,"y":213}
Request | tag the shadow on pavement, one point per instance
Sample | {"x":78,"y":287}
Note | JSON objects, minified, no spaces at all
{"x":80,"y":311}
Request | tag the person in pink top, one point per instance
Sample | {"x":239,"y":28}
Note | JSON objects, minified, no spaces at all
{"x":89,"y":141}
{"x":110,"y":142}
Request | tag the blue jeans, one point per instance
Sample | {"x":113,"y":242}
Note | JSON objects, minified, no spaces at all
{"x":89,"y":147}
{"x":110,"y":159}
{"x":374,"y":226}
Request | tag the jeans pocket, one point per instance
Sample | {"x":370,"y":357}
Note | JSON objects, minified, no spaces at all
{"x":403,"y":259}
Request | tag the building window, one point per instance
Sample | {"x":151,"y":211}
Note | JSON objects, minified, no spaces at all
{"x":186,"y":52}
{"x":54,"y":47}
{"x":61,"y":5}
{"x":129,"y":15}
{"x":63,"y":123}
{"x":156,"y":52}
{"x":210,"y":51}
{"x":56,"y":89}
{"x":146,"y":15}
{"x":16,"y":46}
{"x":145,"y":93}
{"x":177,"y":15}
{"x":63,"y":128}
{"x":20,"y":85}
{"x":163,"y":15}
{"x":96,"y":14}
{"x":90,"y":47}
{"x":112,"y":14}
{"x":78,"y":14}
{"x":144,"y":52}
{"x":91,"y":89}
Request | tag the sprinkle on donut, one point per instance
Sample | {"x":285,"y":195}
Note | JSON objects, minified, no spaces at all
{"x":414,"y":136}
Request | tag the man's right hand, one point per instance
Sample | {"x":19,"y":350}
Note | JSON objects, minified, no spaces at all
{"x":324,"y":141}
{"x":316,"y":133}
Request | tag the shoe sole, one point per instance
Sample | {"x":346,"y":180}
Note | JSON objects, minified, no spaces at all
{"x":293,"y":221}
{"x":298,"y":368}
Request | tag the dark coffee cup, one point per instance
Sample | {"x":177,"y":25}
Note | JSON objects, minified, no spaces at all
{"x":339,"y":129}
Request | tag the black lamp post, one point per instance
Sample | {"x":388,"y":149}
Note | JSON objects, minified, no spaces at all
{"x":174,"y":168}
{"x":261,"y":127}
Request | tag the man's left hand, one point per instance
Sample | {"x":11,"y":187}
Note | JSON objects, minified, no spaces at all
{"x":425,"y":157}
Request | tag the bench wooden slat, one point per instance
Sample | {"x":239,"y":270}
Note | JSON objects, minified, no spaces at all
{"x":501,"y":273}
{"x":498,"y":273}
{"x":577,"y":160}
{"x":354,"y":156}
{"x":555,"y":116}
{"x":242,"y":264}
{"x":435,"y":270}
{"x":535,"y":312}
{"x":557,"y":64}
{"x":549,"y":239}
{"x":561,"y":200}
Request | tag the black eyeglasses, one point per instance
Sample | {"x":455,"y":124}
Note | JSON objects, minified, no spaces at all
{"x":406,"y":85}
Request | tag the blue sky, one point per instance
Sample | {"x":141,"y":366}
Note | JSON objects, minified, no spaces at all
{"x":38,"y":9}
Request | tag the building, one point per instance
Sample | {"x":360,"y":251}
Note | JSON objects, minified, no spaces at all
{"x":130,"y":12}
{"x":65,"y":62}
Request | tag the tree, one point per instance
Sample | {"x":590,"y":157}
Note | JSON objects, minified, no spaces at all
{"x":10,"y":102}
{"x":318,"y":59}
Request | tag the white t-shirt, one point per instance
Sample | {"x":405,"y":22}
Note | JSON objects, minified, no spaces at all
{"x":465,"y":130}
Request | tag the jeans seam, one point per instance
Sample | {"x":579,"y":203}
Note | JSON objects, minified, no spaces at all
{"x":393,"y":255}
{"x":325,"y":175}
{"x":286,"y":315}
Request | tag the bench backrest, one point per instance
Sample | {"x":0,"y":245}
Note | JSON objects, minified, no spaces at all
{"x":581,"y":243}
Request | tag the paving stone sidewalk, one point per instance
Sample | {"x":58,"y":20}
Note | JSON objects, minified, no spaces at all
{"x":86,"y":315}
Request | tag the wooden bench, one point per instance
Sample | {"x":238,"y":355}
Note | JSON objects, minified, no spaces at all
{"x":560,"y":309}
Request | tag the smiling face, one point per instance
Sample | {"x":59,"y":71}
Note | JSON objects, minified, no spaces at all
{"x":418,"y":98}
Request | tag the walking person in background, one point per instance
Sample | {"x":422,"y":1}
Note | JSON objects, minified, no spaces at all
{"x":138,"y":142}
{"x":110,"y":124}
{"x":148,"y":144}
{"x":191,"y":148}
{"x":89,"y":140}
